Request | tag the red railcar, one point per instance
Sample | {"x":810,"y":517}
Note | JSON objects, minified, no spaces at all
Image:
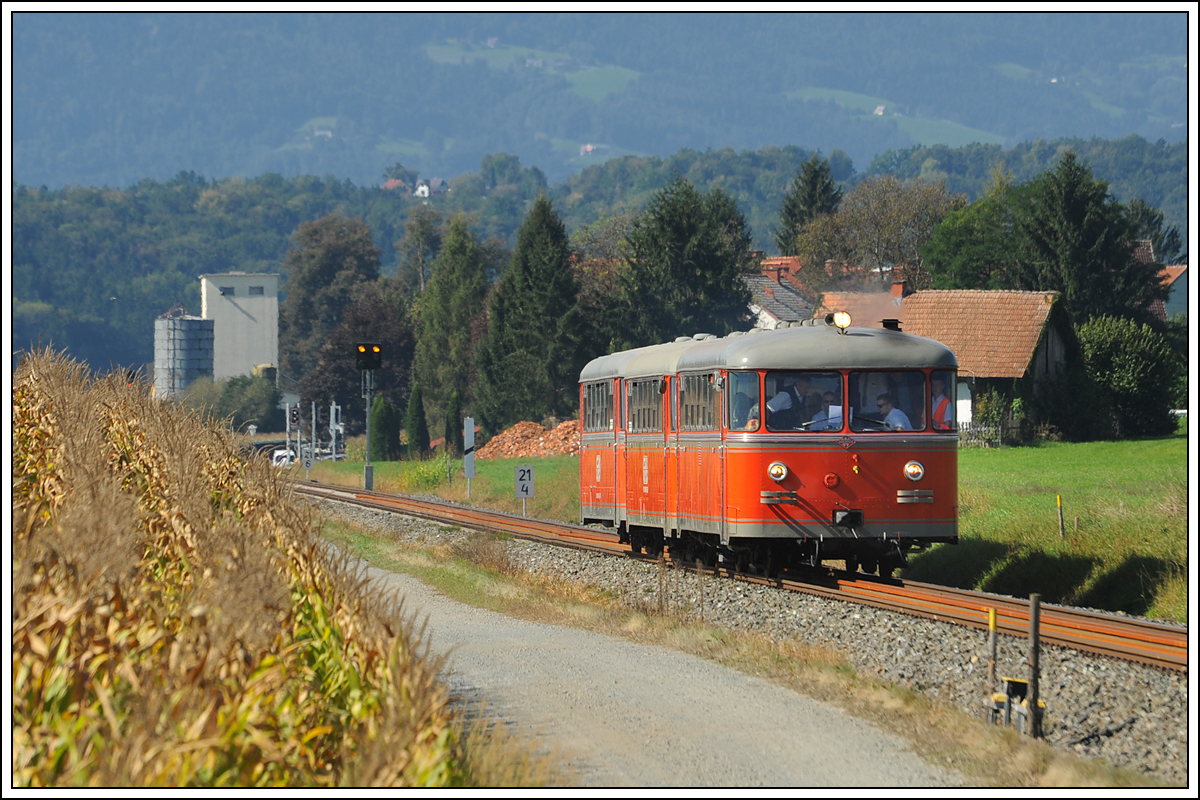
{"x":770,"y":448}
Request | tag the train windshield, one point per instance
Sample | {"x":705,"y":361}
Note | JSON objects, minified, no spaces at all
{"x":888,"y":402}
{"x":743,"y":398}
{"x":804,"y":401}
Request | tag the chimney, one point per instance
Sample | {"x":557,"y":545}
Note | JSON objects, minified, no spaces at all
{"x":899,"y":290}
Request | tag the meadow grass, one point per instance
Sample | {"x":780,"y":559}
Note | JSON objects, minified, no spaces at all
{"x":1127,"y":553}
{"x":1124,"y":543}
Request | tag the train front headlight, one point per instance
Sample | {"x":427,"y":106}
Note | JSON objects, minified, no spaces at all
{"x":777,"y":470}
{"x":914,"y":471}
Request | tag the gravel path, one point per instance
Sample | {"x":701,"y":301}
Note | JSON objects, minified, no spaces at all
{"x":638,"y":715}
{"x":1126,"y":714}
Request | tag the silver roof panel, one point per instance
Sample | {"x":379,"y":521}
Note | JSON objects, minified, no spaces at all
{"x":808,"y":347}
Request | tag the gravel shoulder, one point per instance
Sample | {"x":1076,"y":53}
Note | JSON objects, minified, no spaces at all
{"x":637,"y":715}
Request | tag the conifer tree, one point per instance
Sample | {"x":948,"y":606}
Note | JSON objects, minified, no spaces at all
{"x":812,"y":193}
{"x":453,"y":430}
{"x":385,"y":430}
{"x":529,"y":361}
{"x":1076,"y":239}
{"x":684,"y":275}
{"x":445,"y":314}
{"x":415,"y":425}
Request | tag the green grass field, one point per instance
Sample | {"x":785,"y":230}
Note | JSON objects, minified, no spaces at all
{"x":1128,"y":552}
{"x":599,"y":82}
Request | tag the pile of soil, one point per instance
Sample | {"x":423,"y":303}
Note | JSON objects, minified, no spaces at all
{"x":531,"y":440}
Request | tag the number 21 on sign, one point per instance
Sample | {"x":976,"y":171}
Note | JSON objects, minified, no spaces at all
{"x":524,"y":485}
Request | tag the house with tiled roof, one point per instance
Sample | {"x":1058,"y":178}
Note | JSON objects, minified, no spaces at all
{"x":998,"y":336}
{"x":1175,"y":279}
{"x":774,"y":300}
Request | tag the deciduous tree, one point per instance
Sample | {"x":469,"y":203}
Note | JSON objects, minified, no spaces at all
{"x":423,"y":234}
{"x":1135,"y":366}
{"x":886,"y":222}
{"x":380,"y":315}
{"x":332,"y":258}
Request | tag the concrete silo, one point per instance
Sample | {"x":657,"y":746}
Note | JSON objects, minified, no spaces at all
{"x":183,"y":351}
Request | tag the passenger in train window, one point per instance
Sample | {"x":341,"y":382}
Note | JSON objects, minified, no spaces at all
{"x":894,"y":418}
{"x":830,"y":415}
{"x":943,"y":409}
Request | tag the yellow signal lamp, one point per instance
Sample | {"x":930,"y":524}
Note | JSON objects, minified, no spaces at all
{"x":841,"y":319}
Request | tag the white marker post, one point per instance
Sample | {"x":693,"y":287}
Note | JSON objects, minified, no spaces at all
{"x":469,"y":451}
{"x":524,"y":486}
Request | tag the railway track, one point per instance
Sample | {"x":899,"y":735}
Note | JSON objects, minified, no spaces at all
{"x":1158,"y":645}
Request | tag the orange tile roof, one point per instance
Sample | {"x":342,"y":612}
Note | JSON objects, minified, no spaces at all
{"x":866,"y":308}
{"x":993,"y":333}
{"x":1169,"y":275}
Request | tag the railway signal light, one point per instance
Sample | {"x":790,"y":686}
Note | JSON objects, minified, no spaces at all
{"x":369,"y":355}
{"x":294,"y":416}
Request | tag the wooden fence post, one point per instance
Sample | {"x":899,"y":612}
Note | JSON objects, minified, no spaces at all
{"x":1034,"y":714}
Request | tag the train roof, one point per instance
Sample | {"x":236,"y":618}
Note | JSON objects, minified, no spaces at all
{"x":808,"y":346}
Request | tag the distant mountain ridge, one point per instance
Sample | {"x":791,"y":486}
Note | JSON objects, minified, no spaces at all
{"x":110,"y":99}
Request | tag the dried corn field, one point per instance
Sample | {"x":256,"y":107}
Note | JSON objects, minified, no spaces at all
{"x":178,"y":622}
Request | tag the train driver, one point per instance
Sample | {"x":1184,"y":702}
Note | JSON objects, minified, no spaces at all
{"x":894,"y":418}
{"x":789,"y":407}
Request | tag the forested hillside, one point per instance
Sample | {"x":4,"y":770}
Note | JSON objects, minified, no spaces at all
{"x":110,"y":99}
{"x":93,"y":267}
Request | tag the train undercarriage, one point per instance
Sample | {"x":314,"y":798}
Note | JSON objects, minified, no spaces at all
{"x":770,"y":556}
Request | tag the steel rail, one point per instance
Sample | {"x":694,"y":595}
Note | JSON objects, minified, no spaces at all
{"x":1156,"y":644}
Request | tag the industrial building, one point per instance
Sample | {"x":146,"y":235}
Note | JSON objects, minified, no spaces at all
{"x":244,"y":310}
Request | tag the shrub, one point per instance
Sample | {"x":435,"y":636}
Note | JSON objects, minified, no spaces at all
{"x":385,"y":430}
{"x":415,"y":425}
{"x":1135,"y":367}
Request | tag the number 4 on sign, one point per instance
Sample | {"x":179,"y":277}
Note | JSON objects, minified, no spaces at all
{"x":524,"y":485}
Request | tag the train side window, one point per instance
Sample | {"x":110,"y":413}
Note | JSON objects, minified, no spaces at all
{"x":943,"y":394}
{"x":743,"y":398}
{"x":645,"y":407}
{"x":701,"y":403}
{"x":888,"y":402}
{"x":598,"y":407}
